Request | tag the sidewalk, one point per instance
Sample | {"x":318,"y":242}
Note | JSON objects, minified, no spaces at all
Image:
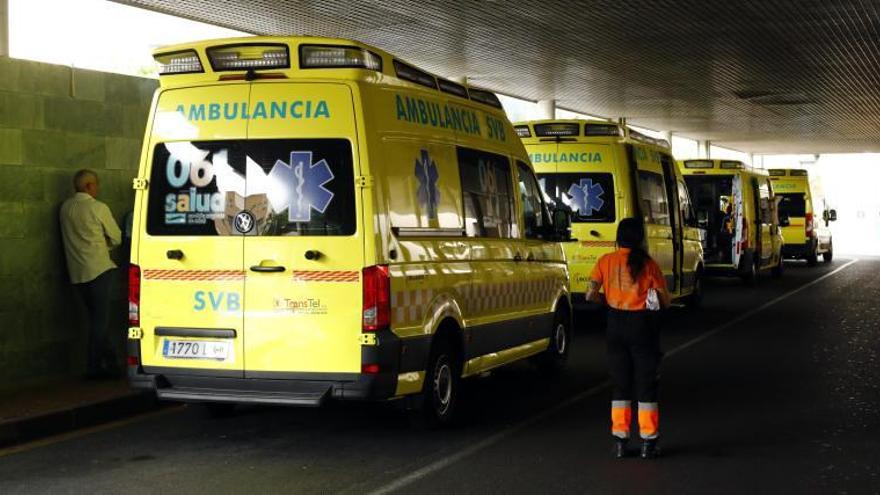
{"x":61,"y":407}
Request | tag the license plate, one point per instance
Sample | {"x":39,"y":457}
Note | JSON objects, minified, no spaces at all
{"x":196,"y":349}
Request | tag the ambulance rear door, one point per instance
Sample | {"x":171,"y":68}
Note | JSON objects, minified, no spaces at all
{"x":190,"y":256}
{"x":304,"y":254}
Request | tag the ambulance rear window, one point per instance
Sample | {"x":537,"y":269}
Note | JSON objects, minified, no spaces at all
{"x":299,"y":187}
{"x":590,"y":196}
{"x":792,"y":205}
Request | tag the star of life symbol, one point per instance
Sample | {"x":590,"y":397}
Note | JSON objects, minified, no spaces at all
{"x":427,"y":175}
{"x":586,"y":197}
{"x":298,"y":186}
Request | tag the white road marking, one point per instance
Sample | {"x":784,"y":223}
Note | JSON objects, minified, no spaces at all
{"x":440,"y":464}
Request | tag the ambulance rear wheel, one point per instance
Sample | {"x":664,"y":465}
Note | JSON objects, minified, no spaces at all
{"x":813,"y":257}
{"x":778,"y":269}
{"x":695,"y":300}
{"x":442,"y":387}
{"x":554,"y":359}
{"x":827,"y":256}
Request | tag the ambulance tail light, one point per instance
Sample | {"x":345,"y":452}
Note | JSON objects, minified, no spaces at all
{"x":134,"y":296}
{"x":808,"y":225}
{"x":338,"y":57}
{"x":249,"y":57}
{"x":377,"y":298}
{"x":183,"y":62}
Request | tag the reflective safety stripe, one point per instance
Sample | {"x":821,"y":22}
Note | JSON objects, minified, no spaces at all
{"x":621,"y":418}
{"x":649,"y":420}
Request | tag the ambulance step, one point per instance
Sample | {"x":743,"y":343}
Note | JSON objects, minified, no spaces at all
{"x":307,"y":398}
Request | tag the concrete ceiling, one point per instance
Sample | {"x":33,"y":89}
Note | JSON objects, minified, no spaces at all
{"x":763,"y":76}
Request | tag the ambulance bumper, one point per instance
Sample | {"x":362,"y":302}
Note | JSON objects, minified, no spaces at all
{"x":797,"y":250}
{"x":280,"y":388}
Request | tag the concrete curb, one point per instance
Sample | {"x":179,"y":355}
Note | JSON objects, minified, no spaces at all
{"x":22,"y":430}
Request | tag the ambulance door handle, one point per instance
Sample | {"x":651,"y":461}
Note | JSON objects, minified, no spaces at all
{"x":174,"y":254}
{"x":267,"y":268}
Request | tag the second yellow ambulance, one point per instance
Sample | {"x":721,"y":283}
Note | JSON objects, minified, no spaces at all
{"x":606,"y":172}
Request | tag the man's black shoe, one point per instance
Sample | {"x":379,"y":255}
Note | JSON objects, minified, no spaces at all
{"x":650,"y":450}
{"x":619,"y":449}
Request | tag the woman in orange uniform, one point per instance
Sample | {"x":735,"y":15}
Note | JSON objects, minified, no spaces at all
{"x":630,"y":280}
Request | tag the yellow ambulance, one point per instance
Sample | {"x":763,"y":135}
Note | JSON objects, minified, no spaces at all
{"x":605,"y":172}
{"x":737,"y":208}
{"x":316,"y":219}
{"x":806,"y":236}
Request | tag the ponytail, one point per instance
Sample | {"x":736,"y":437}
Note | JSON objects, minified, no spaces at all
{"x":631,"y":235}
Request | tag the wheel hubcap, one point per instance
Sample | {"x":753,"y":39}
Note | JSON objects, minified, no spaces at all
{"x":560,"y":338}
{"x":442,"y":386}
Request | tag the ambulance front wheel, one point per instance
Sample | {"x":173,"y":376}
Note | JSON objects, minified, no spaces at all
{"x":827,"y":256}
{"x":439,"y":401}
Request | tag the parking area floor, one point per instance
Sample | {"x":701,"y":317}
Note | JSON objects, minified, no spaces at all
{"x":765,"y":389}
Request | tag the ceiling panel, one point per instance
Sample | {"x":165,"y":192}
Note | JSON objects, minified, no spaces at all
{"x":764,"y":76}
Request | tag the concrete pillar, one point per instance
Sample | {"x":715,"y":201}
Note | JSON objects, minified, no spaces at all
{"x":667,"y":135}
{"x":547,"y":109}
{"x":704,"y":147}
{"x":621,"y":121}
{"x":4,"y":28}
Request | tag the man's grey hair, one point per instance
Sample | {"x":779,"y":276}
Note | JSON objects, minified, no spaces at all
{"x":82,"y":178}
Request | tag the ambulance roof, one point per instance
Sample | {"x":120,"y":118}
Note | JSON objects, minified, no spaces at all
{"x":580,"y":130}
{"x":298,"y":57}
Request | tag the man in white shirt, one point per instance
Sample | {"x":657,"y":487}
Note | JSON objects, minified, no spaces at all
{"x":89,"y":232}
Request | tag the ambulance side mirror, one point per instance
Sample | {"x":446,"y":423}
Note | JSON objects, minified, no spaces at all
{"x":784,"y":221}
{"x":561,"y":228}
{"x":832,"y":216}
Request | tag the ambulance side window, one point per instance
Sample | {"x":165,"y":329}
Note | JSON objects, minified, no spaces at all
{"x":684,"y":202}
{"x":535,"y":211}
{"x":652,"y":198}
{"x":766,"y":211}
{"x":486,"y":193}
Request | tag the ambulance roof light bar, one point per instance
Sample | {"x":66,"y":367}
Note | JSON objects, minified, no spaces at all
{"x":338,"y":56}
{"x":249,"y":56}
{"x":732,"y":165}
{"x":703,"y":164}
{"x":180,"y":62}
{"x":523,"y":131}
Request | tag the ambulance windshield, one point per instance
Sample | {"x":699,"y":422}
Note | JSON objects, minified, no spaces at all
{"x":265,"y":187}
{"x":589,"y":195}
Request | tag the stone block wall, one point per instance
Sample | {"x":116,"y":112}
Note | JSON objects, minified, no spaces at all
{"x":55,"y":120}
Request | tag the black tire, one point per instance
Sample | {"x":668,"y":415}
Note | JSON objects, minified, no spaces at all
{"x":779,"y":269}
{"x":216,"y":410}
{"x":812,"y":258}
{"x":827,"y":256}
{"x":695,"y":300}
{"x":555,"y":358}
{"x":750,"y":274}
{"x":439,"y":401}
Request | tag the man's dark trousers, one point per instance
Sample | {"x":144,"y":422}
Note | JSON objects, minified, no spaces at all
{"x":103,"y":357}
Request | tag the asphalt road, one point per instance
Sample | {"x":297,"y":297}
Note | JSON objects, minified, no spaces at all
{"x":765,"y":390}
